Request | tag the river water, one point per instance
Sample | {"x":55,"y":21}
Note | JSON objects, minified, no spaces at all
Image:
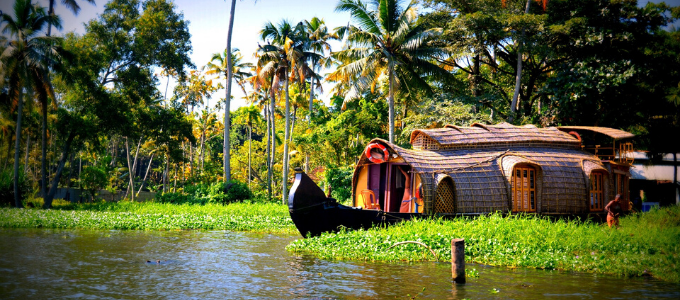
{"x":86,"y":264}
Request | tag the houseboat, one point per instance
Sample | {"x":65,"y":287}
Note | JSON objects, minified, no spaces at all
{"x":480,"y":169}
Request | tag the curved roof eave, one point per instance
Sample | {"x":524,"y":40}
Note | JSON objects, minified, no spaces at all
{"x":616,"y":134}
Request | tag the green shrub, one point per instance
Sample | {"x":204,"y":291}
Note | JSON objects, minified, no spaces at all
{"x":174,"y":198}
{"x":340,"y":181}
{"x":7,"y":186}
{"x":218,"y":192}
{"x":93,"y":179}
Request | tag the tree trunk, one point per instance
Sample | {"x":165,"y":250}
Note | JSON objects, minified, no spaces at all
{"x":292,"y":125}
{"x":226,"y":147}
{"x":43,"y":159}
{"x":284,"y":180}
{"x":270,"y":175}
{"x":129,"y":163}
{"x":70,"y":171}
{"x":60,"y":168}
{"x":174,"y":185}
{"x":518,"y":77}
{"x":309,"y":121}
{"x":28,"y":144}
{"x":391,"y":98}
{"x":202,"y":150}
{"x":80,"y":167}
{"x":146,"y":174}
{"x":675,"y":178}
{"x":250,"y":150}
{"x":191,"y":159}
{"x":165,"y":174}
{"x":311,"y":101}
{"x":17,"y":145}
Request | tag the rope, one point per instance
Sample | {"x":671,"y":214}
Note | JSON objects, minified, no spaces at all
{"x":466,"y":167}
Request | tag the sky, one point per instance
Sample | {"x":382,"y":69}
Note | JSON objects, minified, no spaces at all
{"x":208,"y":26}
{"x":208,"y":20}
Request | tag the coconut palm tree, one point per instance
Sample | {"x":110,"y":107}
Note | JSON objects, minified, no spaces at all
{"x":72,"y":5}
{"x":221,"y":63}
{"x":317,"y":35}
{"x":262,"y":85}
{"x":283,"y":58}
{"x":387,"y":42}
{"x":240,"y":69}
{"x":26,"y":63}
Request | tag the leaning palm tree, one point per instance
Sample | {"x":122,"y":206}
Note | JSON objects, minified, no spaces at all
{"x":387,"y":42}
{"x":26,"y":62}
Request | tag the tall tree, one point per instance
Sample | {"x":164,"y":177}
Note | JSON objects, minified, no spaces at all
{"x":283,"y":58}
{"x":387,"y":41}
{"x":227,"y":99}
{"x":26,"y":62}
{"x":110,"y":80}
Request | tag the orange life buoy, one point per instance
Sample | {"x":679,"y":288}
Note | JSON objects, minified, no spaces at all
{"x":380,"y":147}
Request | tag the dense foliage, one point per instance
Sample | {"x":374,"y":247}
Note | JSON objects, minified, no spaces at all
{"x":585,"y":62}
{"x":216,"y":193}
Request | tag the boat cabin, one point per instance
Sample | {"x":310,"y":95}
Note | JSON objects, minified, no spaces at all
{"x":487,"y":168}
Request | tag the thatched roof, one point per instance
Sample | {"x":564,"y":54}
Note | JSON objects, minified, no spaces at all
{"x":480,"y":135}
{"x":611,"y":132}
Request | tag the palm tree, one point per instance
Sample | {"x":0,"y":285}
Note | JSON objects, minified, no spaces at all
{"x":72,"y":6}
{"x":239,"y":70}
{"x":317,"y":43}
{"x":388,"y":42}
{"x":26,"y":62}
{"x":206,"y":122}
{"x":283,"y":58}
{"x":221,"y":63}
{"x":262,"y":84}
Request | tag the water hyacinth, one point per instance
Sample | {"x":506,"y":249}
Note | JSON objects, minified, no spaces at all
{"x":646,"y":244}
{"x":259,"y":217}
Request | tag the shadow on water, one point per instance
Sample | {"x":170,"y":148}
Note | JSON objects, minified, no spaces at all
{"x":57,"y":264}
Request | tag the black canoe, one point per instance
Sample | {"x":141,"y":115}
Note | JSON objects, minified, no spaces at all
{"x":313,"y":213}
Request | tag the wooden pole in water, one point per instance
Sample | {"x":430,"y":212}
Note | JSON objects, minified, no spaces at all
{"x":458,"y":260}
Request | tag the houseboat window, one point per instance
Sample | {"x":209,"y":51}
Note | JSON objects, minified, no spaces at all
{"x":596,"y":191}
{"x":524,"y":189}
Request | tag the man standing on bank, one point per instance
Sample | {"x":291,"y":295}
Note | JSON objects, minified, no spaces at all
{"x":613,"y":210}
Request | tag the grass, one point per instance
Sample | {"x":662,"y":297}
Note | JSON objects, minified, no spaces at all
{"x":646,"y":244}
{"x":256,"y":217}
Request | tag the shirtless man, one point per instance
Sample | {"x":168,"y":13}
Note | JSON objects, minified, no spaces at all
{"x":613,"y":210}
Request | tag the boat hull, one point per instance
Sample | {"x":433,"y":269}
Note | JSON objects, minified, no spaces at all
{"x":313,"y":213}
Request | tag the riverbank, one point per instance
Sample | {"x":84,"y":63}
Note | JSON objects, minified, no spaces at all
{"x":645,"y":244}
{"x":256,"y":217}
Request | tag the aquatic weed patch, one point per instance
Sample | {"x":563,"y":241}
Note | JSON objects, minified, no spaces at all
{"x":270,"y":218}
{"x":645,"y":244}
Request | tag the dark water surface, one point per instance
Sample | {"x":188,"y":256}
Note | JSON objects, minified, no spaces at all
{"x":84,"y":264}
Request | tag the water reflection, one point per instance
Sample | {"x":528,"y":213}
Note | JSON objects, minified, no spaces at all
{"x":44,"y":264}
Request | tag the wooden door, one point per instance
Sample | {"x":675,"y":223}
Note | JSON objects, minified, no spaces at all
{"x":524,"y":189}
{"x":596,"y":191}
